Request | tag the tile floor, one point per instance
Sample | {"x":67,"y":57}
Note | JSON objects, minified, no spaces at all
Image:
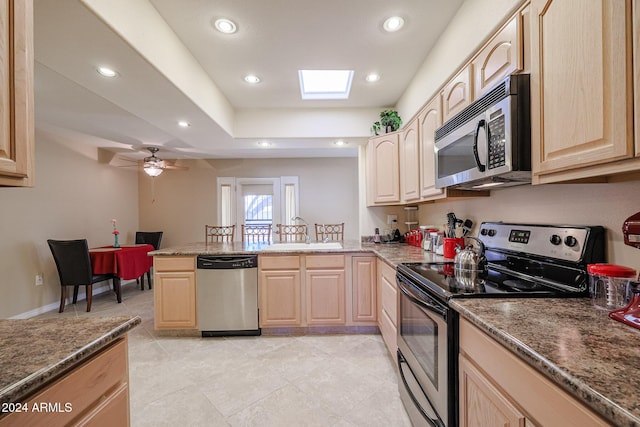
{"x":314,"y":380}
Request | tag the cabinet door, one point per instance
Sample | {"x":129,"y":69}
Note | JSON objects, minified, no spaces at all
{"x":502,"y":56}
{"x":456,"y":94}
{"x":580,"y":84}
{"x":410,"y":162}
{"x":388,"y":310}
{"x":481,"y":404}
{"x":325,"y":297}
{"x":364,"y":289}
{"x":16,"y":97}
{"x":429,"y":119}
{"x":280,"y":303}
{"x":175,"y":300}
{"x":383,"y":171}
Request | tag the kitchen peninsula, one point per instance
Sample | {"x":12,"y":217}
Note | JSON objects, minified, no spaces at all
{"x":577,"y":351}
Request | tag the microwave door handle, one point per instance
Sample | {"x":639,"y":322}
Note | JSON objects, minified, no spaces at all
{"x":482,"y":123}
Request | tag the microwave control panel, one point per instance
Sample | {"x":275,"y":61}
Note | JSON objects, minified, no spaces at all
{"x":497,"y":141}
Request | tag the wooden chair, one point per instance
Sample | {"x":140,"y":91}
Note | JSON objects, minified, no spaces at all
{"x":292,"y":232}
{"x":256,"y":233}
{"x":219,"y":233}
{"x":74,"y":268}
{"x":330,"y":232}
{"x":152,"y":238}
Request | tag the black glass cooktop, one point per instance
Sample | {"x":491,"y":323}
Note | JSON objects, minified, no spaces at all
{"x":441,"y":279}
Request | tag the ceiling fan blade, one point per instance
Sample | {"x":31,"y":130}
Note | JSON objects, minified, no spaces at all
{"x":175,"y":167}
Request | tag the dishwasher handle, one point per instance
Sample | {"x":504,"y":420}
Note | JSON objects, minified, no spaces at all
{"x":221,"y":262}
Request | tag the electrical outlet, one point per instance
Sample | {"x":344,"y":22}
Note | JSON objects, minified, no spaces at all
{"x":39,"y":280}
{"x":391,"y":218}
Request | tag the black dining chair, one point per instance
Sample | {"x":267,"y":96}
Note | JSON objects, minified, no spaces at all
{"x":150,"y":238}
{"x":74,"y":268}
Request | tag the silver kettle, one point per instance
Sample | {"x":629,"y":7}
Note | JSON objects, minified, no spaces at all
{"x":468,"y":259}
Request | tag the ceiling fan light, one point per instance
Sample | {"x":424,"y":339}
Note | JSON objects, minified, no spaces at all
{"x":152,"y":169}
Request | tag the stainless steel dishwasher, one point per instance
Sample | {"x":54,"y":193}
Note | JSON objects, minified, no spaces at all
{"x":228,"y":295}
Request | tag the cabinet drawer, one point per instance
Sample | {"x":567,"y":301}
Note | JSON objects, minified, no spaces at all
{"x":279,"y":262}
{"x":81,"y":388}
{"x":325,"y":261}
{"x":163,"y":263}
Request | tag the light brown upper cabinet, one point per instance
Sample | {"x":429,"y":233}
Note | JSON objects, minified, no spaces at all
{"x":502,"y":56}
{"x":16,"y":94}
{"x":410,"y":162}
{"x":581,"y":87}
{"x":383,"y":175}
{"x":456,"y":94}
{"x":429,"y":119}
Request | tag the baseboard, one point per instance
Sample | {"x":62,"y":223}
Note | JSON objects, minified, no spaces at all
{"x":81,"y":296}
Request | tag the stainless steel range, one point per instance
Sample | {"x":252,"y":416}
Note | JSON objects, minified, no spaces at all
{"x":523,"y":260}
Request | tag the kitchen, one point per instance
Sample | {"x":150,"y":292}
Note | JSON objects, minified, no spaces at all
{"x":84,"y":207}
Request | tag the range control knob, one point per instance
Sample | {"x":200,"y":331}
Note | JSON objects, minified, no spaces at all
{"x":492,"y":232}
{"x":483,"y":231}
{"x":555,"y":240}
{"x":570,"y":241}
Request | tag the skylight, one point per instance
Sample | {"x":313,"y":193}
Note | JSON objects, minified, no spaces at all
{"x":325,"y":84}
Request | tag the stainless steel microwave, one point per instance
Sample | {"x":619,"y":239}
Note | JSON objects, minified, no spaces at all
{"x":488,"y":144}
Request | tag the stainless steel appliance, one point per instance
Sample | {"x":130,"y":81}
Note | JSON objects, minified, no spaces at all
{"x":488,"y":144}
{"x":227,"y":295}
{"x":523,"y":260}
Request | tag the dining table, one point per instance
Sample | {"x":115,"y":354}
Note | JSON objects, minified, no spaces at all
{"x":124,"y":262}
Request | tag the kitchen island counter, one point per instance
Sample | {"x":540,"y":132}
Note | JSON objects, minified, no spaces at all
{"x":36,"y":351}
{"x":392,"y":253}
{"x":592,"y":357}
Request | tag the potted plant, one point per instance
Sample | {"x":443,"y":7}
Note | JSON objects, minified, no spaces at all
{"x":390,"y":121}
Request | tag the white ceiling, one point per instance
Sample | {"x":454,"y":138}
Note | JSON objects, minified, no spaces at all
{"x":174,"y":65}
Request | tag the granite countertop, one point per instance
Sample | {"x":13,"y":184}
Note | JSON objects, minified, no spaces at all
{"x":35,"y":351}
{"x":594,"y":358}
{"x":392,"y":253}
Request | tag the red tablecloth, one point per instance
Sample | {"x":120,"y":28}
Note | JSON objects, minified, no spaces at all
{"x":127,"y":262}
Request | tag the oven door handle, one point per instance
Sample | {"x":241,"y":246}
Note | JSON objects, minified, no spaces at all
{"x":420,"y":301}
{"x":482,"y":123}
{"x":435,"y":422}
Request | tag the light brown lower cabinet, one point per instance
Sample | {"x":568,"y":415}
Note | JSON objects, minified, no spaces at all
{"x":279,"y":291}
{"x":498,"y":388}
{"x":96,"y":393}
{"x":363,"y":281}
{"x":325,"y":290}
{"x":388,"y":309}
{"x":175,"y":292}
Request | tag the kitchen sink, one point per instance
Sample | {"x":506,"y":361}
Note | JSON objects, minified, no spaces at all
{"x":291,"y":246}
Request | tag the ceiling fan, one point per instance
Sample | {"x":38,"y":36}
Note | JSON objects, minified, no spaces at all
{"x":154,"y":166}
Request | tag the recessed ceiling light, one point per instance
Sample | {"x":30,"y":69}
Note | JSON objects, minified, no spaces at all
{"x":393,"y":24}
{"x":340,"y":143}
{"x":225,"y":26}
{"x":325,"y":84}
{"x":252,"y":79}
{"x":373,"y":77}
{"x":107,"y":72}
{"x":264,"y":144}
{"x":184,"y":124}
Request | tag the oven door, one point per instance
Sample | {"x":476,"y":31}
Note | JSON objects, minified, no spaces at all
{"x":423,"y":356}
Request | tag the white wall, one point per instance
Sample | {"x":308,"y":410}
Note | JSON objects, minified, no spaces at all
{"x":186,"y":201}
{"x":74,"y":197}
